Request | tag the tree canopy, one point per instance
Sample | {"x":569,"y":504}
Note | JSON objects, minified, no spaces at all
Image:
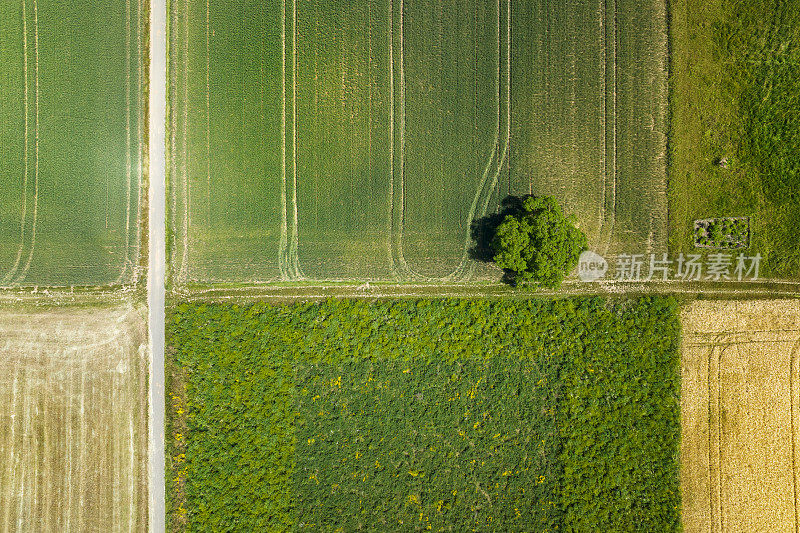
{"x":536,"y":244}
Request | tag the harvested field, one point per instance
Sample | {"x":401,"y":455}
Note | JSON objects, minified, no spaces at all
{"x":71,"y":130}
{"x":73,"y":419}
{"x":740,"y":420}
{"x":361,"y":140}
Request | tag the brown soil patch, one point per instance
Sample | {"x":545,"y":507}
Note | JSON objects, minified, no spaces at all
{"x":73,"y":419}
{"x":739,"y":409}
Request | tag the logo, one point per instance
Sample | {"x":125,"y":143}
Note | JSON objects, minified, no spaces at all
{"x":591,"y":266}
{"x":717,"y":266}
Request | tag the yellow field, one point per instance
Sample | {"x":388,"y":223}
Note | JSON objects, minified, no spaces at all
{"x":73,"y":419}
{"x":739,"y":409}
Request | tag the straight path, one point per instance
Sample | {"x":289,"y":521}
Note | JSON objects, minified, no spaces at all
{"x":157,"y":240}
{"x":287,"y":292}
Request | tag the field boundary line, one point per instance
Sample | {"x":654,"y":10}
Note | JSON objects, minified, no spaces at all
{"x":288,"y":255}
{"x":390,"y":218}
{"x":184,"y":270}
{"x":294,"y":259}
{"x":390,"y":229}
{"x":716,"y":429}
{"x":69,"y":447}
{"x":128,"y":145}
{"x":659,"y":217}
{"x":141,"y":90}
{"x":601,"y":13}
{"x":82,"y":447}
{"x":10,"y":480}
{"x":283,"y":245}
{"x":734,"y":333}
{"x":403,"y":264}
{"x":293,"y":243}
{"x":131,"y":478}
{"x":23,"y":467}
{"x":370,"y":89}
{"x":124,"y":390}
{"x":24,"y":272}
{"x":14,"y":267}
{"x":348,"y":289}
{"x":610,"y":112}
{"x":405,"y":270}
{"x":711,"y":480}
{"x":173,"y":167}
{"x":745,"y":342}
{"x":117,"y":390}
{"x":395,"y":213}
{"x":399,"y":267}
{"x":208,"y":112}
{"x":46,"y":471}
{"x":613,"y":210}
{"x":793,"y":406}
{"x":33,"y":444}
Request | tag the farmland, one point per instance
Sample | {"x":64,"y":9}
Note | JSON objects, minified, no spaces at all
{"x":71,"y":130}
{"x":736,"y":79}
{"x":739,"y":409}
{"x":405,"y":415}
{"x":589,"y":104}
{"x":361,"y":140}
{"x":73,"y":419}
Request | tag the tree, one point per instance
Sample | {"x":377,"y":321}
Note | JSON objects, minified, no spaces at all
{"x":537,"y":244}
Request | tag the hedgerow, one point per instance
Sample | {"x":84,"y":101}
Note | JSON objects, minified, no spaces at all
{"x":448,"y":415}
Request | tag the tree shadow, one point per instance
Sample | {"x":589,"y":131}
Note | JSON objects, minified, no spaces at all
{"x":484,"y":228}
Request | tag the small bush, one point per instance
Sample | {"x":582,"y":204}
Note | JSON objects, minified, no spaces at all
{"x":722,"y":233}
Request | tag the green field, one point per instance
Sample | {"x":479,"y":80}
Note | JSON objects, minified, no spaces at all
{"x":449,"y":415}
{"x":338,"y":140}
{"x":71,"y":130}
{"x":589,"y":95}
{"x":736,"y":83}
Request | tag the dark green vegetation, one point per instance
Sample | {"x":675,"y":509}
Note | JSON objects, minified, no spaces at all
{"x":538,"y":244}
{"x":71,"y":130}
{"x":343,"y":140}
{"x":736,"y":81}
{"x":445,"y":414}
{"x":393,"y":444}
{"x":722,"y":233}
